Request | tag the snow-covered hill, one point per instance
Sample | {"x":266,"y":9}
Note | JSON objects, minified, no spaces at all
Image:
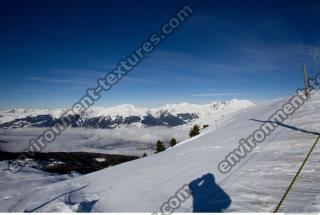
{"x":127,"y":115}
{"x":144,"y":185}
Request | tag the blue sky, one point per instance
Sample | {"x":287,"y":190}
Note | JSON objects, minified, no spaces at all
{"x":52,"y":51}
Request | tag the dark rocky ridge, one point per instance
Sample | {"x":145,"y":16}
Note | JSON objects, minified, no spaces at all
{"x":67,"y":162}
{"x":164,"y":119}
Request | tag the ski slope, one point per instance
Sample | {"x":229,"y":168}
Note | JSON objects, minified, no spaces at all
{"x":256,"y":184}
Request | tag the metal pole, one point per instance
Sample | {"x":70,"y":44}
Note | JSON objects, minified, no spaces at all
{"x":306,"y":84}
{"x":314,"y":65}
{"x":315,"y":54}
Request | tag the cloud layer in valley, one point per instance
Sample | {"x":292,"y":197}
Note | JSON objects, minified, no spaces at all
{"x":126,"y":141}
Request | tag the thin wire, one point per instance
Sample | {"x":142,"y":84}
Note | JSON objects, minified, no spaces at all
{"x":295,"y":177}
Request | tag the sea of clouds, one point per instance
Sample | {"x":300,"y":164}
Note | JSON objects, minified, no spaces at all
{"x":125,"y":141}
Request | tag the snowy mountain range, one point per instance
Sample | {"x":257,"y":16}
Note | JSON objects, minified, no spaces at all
{"x":126,"y":115}
{"x":145,"y":185}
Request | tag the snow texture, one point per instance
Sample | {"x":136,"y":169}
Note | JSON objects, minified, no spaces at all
{"x":255,"y":185}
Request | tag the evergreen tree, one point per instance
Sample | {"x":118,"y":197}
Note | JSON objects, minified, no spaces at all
{"x":194,"y":131}
{"x":160,"y":147}
{"x":173,"y":142}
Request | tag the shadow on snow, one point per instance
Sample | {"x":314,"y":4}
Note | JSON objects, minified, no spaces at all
{"x":287,"y":126}
{"x":208,"y":196}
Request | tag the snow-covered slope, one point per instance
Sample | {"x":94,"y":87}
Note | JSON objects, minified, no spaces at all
{"x":13,"y":185}
{"x":256,"y":184}
{"x":126,"y":115}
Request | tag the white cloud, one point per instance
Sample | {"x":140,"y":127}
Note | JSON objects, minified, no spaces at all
{"x":235,"y":94}
{"x":59,"y":81}
{"x":128,"y":141}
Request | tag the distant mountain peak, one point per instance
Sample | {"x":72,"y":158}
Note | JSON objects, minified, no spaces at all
{"x":175,"y":114}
